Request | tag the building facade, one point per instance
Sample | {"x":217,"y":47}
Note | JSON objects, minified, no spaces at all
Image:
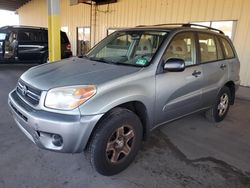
{"x":84,"y":22}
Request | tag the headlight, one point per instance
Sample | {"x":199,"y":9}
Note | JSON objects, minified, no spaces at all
{"x":68,"y":98}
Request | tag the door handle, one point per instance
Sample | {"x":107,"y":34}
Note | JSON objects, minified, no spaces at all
{"x":196,"y":73}
{"x":223,"y":66}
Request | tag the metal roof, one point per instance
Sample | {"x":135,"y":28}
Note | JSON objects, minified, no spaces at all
{"x":97,"y":2}
{"x":12,"y":5}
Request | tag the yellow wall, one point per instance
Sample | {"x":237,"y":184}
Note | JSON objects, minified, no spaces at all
{"x":128,"y":13}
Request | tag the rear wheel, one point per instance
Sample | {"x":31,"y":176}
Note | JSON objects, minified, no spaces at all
{"x":219,"y":111}
{"x":116,"y":142}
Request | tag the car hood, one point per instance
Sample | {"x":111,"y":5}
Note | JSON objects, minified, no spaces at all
{"x":74,"y":71}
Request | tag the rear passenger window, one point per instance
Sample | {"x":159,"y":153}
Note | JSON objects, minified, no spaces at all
{"x":228,"y":49}
{"x":208,"y":48}
{"x":183,"y":47}
{"x":30,"y":36}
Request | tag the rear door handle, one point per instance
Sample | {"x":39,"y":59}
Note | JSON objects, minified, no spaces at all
{"x":223,"y":66}
{"x":196,"y":73}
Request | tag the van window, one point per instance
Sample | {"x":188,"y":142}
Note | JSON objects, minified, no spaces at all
{"x":30,"y":36}
{"x":2,"y":36}
{"x":227,"y":49}
{"x":12,"y":36}
{"x":208,"y":48}
{"x":183,"y":47}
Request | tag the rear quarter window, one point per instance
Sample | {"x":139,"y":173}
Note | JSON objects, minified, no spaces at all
{"x":229,"y":53}
{"x":30,"y":36}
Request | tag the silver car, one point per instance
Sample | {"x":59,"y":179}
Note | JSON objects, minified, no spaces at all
{"x":107,"y":102}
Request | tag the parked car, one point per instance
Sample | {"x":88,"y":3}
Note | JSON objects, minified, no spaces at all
{"x":25,"y":44}
{"x":107,"y":102}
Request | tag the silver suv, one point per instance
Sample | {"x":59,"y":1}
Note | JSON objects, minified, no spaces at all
{"x":107,"y":102}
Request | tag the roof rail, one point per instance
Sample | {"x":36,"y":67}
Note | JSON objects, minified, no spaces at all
{"x":28,"y":27}
{"x":207,"y":27}
{"x":22,"y":26}
{"x":185,"y":25}
{"x":181,"y":24}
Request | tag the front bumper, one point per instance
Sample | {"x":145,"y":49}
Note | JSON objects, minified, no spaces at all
{"x":41,"y":126}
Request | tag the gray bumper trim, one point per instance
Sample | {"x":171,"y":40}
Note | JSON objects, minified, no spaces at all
{"x":38,"y":126}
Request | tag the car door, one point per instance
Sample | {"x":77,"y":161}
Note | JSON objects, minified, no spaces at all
{"x":214,"y":67}
{"x":3,"y":35}
{"x":10,"y":47}
{"x":179,"y":93}
{"x":30,"y":45}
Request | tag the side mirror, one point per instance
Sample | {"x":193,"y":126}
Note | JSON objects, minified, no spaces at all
{"x":174,"y":65}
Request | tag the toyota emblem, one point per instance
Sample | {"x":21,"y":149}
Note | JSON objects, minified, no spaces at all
{"x":24,"y":90}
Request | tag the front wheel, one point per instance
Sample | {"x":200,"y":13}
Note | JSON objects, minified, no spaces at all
{"x":116,"y":142}
{"x":219,"y":111}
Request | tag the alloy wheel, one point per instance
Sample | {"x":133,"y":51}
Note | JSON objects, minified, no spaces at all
{"x":120,"y":144}
{"x":223,"y":105}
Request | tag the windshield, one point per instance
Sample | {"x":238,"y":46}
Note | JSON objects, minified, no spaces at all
{"x":2,"y":36}
{"x":135,"y":48}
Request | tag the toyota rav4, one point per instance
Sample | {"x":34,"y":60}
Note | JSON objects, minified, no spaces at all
{"x":107,"y":102}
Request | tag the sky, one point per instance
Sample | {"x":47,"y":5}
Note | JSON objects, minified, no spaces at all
{"x":8,"y":18}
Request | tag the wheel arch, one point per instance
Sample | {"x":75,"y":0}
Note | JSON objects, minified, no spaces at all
{"x":231,"y":86}
{"x":138,"y":108}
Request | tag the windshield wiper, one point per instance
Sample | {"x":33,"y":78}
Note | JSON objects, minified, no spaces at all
{"x":103,"y":60}
{"x":82,"y":56}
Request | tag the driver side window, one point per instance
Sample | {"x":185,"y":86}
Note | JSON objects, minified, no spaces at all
{"x":183,"y":47}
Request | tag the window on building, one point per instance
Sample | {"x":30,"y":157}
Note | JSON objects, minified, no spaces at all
{"x":83,"y":40}
{"x":228,"y":27}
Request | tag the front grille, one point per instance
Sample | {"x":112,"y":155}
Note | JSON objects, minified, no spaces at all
{"x":28,"y":93}
{"x":19,"y":113}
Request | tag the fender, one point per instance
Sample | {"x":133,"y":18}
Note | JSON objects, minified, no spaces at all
{"x":115,"y":93}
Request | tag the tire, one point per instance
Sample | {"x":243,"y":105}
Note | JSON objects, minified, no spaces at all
{"x":115,"y":142}
{"x":219,"y":111}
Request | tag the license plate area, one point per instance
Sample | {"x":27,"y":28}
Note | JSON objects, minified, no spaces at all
{"x":19,"y":113}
